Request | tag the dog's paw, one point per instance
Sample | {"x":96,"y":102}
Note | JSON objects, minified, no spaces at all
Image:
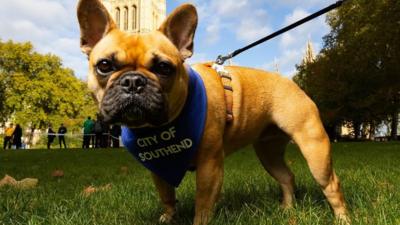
{"x":343,"y":219}
{"x":287,"y":205}
{"x":166,"y":218}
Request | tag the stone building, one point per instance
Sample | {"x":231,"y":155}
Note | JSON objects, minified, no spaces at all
{"x":137,"y":16}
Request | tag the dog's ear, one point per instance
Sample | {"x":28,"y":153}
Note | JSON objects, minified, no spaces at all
{"x":94,"y":22}
{"x":180,"y":27}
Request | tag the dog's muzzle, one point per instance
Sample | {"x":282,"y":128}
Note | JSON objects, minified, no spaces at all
{"x":133,"y":100}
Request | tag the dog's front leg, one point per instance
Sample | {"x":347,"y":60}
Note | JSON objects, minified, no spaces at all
{"x":168,"y":199}
{"x":209,"y":177}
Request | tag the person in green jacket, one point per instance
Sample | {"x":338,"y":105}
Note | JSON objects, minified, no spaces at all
{"x":87,"y":132}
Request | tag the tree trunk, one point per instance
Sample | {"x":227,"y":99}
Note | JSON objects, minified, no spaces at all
{"x":331,"y":131}
{"x":372,"y":129}
{"x":357,"y":129}
{"x":394,"y":124}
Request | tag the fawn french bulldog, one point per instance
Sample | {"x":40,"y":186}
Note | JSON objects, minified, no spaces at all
{"x":171,"y":111}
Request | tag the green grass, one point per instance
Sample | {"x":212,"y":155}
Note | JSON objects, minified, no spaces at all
{"x":370,"y":175}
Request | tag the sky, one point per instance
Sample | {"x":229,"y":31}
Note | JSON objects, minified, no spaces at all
{"x":224,"y":26}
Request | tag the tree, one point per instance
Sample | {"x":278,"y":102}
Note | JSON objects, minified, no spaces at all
{"x":2,"y":98}
{"x":36,"y":89}
{"x":356,"y":77}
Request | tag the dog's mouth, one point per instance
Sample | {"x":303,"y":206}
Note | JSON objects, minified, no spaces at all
{"x":134,"y":108}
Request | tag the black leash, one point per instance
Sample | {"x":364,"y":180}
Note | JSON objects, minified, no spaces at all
{"x":221,"y":59}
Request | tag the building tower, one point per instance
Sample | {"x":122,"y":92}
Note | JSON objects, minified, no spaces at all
{"x":137,"y":16}
{"x":309,"y":56}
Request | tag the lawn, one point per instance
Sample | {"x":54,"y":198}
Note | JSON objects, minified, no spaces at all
{"x":370,"y":175}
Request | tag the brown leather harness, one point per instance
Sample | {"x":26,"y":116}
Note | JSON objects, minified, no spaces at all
{"x":226,"y":80}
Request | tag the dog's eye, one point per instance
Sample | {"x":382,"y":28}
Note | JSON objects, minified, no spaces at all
{"x":104,"y":67}
{"x":164,"y":68}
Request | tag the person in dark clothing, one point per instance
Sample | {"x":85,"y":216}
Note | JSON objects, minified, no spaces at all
{"x":115,"y":133}
{"x":98,"y":131}
{"x":62,"y":130}
{"x":50,"y":136}
{"x":17,"y":135}
{"x":105,"y":138}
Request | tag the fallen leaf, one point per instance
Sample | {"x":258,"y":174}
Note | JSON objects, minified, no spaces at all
{"x":124,"y":170}
{"x":26,"y":183}
{"x":92,"y":189}
{"x":88,"y":191}
{"x":57,"y":173}
{"x":7,"y":180}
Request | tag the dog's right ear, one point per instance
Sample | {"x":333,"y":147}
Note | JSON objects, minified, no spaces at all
{"x":94,"y":21}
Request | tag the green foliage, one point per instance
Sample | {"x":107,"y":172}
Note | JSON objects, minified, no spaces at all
{"x":356,"y":77}
{"x":368,"y":174}
{"x":36,"y":89}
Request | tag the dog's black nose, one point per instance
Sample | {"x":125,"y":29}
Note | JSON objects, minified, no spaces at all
{"x":133,"y":83}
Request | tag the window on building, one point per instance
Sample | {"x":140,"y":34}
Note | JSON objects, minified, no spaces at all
{"x":134,"y":17}
{"x":117,"y":16}
{"x":126,"y":18}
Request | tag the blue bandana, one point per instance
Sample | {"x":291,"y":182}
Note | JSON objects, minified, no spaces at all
{"x":168,"y":150}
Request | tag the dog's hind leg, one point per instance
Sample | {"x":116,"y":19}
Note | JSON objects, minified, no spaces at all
{"x":270,"y":149}
{"x":298,"y":117}
{"x":315,"y":146}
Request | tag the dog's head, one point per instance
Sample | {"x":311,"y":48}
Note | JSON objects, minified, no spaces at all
{"x":138,"y":80}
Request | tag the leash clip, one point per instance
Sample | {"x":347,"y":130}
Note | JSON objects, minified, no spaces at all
{"x":221,"y":59}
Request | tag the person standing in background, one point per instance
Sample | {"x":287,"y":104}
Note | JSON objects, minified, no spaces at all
{"x":62,"y":130}
{"x":17,"y":135}
{"x":50,"y":136}
{"x":87,"y":132}
{"x":8,"y":136}
{"x":115,"y":133}
{"x":98,"y":131}
{"x":105,"y":137}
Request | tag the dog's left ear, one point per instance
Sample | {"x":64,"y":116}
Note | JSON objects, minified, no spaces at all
{"x":180,"y":27}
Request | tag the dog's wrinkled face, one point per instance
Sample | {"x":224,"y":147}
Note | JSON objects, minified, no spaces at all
{"x":139,"y":80}
{"x":135,"y":77}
